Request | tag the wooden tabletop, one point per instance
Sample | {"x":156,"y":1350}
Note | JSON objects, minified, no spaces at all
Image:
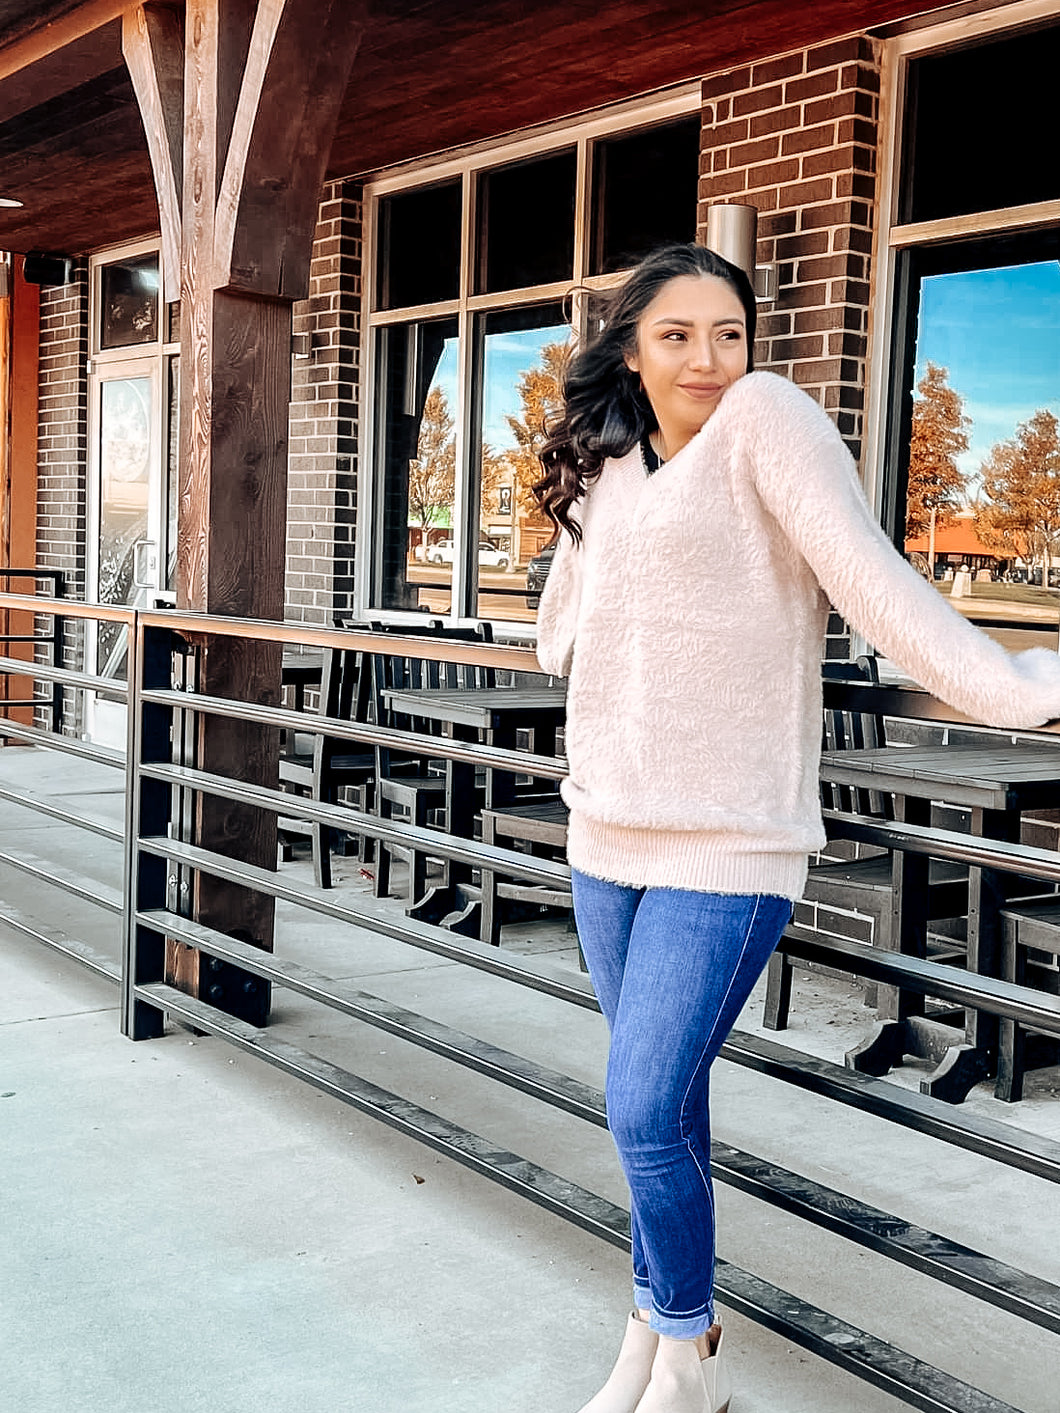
{"x":306,"y":667}
{"x":480,"y":707}
{"x":999,"y":777}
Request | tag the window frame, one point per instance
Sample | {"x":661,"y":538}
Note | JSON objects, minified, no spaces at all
{"x":890,"y":304}
{"x":682,"y":101}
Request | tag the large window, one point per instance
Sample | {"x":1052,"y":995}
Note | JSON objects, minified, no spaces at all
{"x":971,"y":428}
{"x":483,"y":274}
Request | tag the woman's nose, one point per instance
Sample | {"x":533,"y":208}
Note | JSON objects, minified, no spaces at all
{"x":701,"y":353}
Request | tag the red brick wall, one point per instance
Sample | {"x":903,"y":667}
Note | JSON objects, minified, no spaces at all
{"x":322,"y":472}
{"x":796,"y":137}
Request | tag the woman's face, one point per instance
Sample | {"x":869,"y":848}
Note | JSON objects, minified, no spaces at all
{"x":691,"y":347}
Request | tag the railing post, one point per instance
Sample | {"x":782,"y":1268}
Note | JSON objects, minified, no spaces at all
{"x":147,"y":812}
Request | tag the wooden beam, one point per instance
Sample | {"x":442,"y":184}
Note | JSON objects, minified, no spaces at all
{"x":57,"y":34}
{"x":86,"y":59}
{"x":293,"y":87}
{"x":152,"y":41}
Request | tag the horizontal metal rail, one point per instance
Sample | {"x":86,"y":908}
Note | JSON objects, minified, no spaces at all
{"x":539,"y":974}
{"x":114,"y":832}
{"x":88,"y":681}
{"x":972,"y":849}
{"x":366,"y":734}
{"x":1032,"y":1299}
{"x":64,"y":745}
{"x":871,"y":1359}
{"x":196,"y":626}
{"x":78,"y":885}
{"x":436,"y":841}
{"x":927,"y":978}
{"x":58,"y":941}
{"x":69,"y":608}
{"x":1001,"y":1142}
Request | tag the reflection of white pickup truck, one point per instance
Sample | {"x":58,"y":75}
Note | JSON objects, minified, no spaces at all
{"x":488,"y":554}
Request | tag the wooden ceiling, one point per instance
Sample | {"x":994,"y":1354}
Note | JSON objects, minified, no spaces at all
{"x":430,"y":75}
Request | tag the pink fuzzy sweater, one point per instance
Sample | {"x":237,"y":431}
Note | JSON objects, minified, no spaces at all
{"x":691,"y":623}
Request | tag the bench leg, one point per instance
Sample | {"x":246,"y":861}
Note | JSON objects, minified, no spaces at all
{"x":489,"y":919}
{"x":381,"y":884}
{"x":1012,"y":1041}
{"x":778,"y":992}
{"x":321,"y":837}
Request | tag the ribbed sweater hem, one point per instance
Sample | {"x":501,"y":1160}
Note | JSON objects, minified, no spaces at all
{"x":701,"y":861}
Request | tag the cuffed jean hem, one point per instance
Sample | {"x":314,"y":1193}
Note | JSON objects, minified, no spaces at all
{"x":681,"y":1326}
{"x":641,"y":1297}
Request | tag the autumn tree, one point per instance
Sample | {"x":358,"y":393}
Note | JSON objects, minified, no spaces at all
{"x":540,"y":393}
{"x":1019,"y":512}
{"x":939,"y":436}
{"x":432,"y":473}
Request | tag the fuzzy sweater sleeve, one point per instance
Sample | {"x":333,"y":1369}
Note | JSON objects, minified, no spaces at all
{"x":557,"y":615}
{"x":807,"y":480}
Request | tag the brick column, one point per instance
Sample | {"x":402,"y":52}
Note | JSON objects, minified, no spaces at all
{"x":796,"y":137}
{"x":62,"y":456}
{"x":322,"y":474}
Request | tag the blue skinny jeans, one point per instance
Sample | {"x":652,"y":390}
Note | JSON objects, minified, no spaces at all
{"x":672,"y":970}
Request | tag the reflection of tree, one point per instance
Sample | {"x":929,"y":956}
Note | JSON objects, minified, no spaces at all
{"x":1020,"y":510}
{"x":494,"y":475}
{"x":540,"y":391}
{"x":432,"y":472}
{"x":936,"y":482}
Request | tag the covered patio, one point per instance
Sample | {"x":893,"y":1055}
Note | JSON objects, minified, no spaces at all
{"x":260,"y":253}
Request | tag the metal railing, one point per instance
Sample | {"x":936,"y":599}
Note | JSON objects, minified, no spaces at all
{"x":162,"y":775}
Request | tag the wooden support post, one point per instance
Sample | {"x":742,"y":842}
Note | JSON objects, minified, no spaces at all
{"x":19,"y":350}
{"x":263,"y":83}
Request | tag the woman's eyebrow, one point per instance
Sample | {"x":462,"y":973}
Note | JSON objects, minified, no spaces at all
{"x":690,"y":323}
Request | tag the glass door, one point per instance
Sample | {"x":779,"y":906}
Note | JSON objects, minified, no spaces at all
{"x":132,"y":460}
{"x":129,"y":549}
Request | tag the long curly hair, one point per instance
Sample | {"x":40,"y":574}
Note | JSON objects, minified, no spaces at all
{"x":605,"y":410}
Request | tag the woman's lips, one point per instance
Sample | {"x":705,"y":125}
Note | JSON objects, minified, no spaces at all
{"x":703,"y":389}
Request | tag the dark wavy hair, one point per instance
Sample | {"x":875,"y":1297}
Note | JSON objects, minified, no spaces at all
{"x":605,"y":409}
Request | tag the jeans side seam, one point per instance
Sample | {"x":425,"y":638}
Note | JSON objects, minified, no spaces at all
{"x":708,"y":1187}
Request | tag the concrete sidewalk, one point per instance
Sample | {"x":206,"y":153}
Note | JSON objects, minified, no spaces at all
{"x":184,"y":1228}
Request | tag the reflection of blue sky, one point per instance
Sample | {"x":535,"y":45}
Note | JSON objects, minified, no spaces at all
{"x":998,"y":333}
{"x":507,"y":356}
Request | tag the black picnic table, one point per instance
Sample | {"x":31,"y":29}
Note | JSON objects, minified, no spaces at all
{"x":996,"y":782}
{"x":495,"y":716}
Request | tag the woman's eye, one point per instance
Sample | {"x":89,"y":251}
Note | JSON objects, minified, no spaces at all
{"x":676,"y":334}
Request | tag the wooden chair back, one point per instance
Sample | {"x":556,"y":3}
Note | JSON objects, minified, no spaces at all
{"x":846,"y":729}
{"x":406,"y":671}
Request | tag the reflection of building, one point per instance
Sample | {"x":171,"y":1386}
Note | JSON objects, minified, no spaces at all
{"x":957,"y":544}
{"x":506,"y":522}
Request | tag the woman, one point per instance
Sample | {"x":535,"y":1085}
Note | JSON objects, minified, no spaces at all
{"x":709,"y":515}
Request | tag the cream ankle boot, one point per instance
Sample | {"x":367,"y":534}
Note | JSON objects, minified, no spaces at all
{"x":629,"y":1378}
{"x":681,"y":1382}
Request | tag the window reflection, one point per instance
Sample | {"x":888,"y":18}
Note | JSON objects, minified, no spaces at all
{"x":663,"y":160}
{"x":124,"y":463}
{"x":526,"y":223}
{"x":129,"y":302}
{"x":982,"y":473}
{"x":524,"y":354}
{"x":418,"y":367}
